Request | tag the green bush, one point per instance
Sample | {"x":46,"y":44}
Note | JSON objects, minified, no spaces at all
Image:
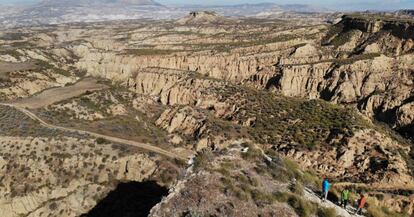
{"x":309,"y":179}
{"x":202,"y":159}
{"x":240,"y":194}
{"x":101,"y":140}
{"x":376,"y":211}
{"x":297,"y":188}
{"x":302,"y":207}
{"x":277,"y":172}
{"x":262,"y":198}
{"x":223,"y":171}
{"x":293,"y":169}
{"x":281,"y":196}
{"x":326,"y":212}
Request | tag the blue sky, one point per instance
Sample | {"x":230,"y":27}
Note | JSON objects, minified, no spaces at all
{"x":335,"y":4}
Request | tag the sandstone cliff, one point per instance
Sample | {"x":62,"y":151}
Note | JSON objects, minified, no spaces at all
{"x":403,"y":29}
{"x":378,"y":85}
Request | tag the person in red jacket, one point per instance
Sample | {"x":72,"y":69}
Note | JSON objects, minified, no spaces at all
{"x":361,"y":203}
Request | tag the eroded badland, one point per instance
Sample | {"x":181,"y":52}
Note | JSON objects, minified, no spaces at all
{"x":264,"y":108}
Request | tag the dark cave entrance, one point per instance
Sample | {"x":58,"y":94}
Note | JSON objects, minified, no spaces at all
{"x":132,"y":199}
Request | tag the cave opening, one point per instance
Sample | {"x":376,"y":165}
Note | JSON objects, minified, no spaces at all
{"x":131,"y":199}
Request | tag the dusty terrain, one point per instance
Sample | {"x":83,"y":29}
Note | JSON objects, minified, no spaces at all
{"x":236,"y":117}
{"x":54,"y":95}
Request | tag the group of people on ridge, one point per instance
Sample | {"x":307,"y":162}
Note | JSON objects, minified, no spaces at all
{"x":344,"y":196}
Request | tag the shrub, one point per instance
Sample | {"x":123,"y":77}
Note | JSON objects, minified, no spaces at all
{"x":53,"y":206}
{"x":376,"y":211}
{"x":240,"y":194}
{"x":223,"y":171}
{"x":252,"y":154}
{"x":192,"y":214}
{"x":326,"y":212}
{"x":242,"y":178}
{"x":281,"y":196}
{"x":167,"y":176}
{"x":228,"y":165}
{"x":262,"y":198}
{"x":253,"y":181}
{"x":297,"y":188}
{"x":311,"y":180}
{"x":261,"y":170}
{"x":293,"y":169}
{"x":302,"y":207}
{"x":101,"y":140}
{"x":202,"y":159}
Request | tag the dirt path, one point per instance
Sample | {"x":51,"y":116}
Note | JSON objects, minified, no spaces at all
{"x":312,"y":196}
{"x":97,"y":135}
{"x":378,"y":187}
{"x":58,"y":94}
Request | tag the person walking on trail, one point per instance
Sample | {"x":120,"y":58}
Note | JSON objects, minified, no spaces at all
{"x":325,"y":189}
{"x":361,"y":203}
{"x":344,"y":198}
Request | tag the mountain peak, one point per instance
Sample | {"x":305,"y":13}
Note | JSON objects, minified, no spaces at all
{"x":202,"y":17}
{"x":85,"y":2}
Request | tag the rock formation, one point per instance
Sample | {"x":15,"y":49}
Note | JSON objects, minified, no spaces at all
{"x":250,"y":92}
{"x":203,"y":18}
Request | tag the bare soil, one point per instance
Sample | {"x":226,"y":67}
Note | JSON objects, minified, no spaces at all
{"x":54,"y":95}
{"x":12,"y":67}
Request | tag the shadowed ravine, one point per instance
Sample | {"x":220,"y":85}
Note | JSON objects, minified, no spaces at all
{"x":132,"y":199}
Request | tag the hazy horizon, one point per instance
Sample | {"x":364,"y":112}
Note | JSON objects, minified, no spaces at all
{"x":331,"y":4}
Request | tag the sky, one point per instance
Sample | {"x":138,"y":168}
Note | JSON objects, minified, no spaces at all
{"x":333,"y":4}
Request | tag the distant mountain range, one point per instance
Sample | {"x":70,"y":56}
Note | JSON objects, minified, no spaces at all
{"x":66,"y":11}
{"x":97,"y":2}
{"x":303,"y":8}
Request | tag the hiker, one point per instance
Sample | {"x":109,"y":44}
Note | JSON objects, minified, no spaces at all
{"x":325,"y":189}
{"x":361,"y":203}
{"x":344,"y":198}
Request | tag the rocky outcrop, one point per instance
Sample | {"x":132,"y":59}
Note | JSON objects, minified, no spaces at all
{"x":216,"y":193}
{"x":352,"y":160}
{"x":398,"y":203}
{"x":203,"y":18}
{"x":176,"y":87}
{"x":26,"y":83}
{"x":172,"y":87}
{"x":378,"y":87}
{"x":185,"y":121}
{"x":405,"y":115}
{"x":368,"y":156}
{"x":375,"y":33}
{"x":403,"y":29}
{"x":235,"y":66}
{"x":405,"y":12}
{"x":189,"y":87}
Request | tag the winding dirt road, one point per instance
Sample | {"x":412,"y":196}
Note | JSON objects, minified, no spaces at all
{"x":97,"y":135}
